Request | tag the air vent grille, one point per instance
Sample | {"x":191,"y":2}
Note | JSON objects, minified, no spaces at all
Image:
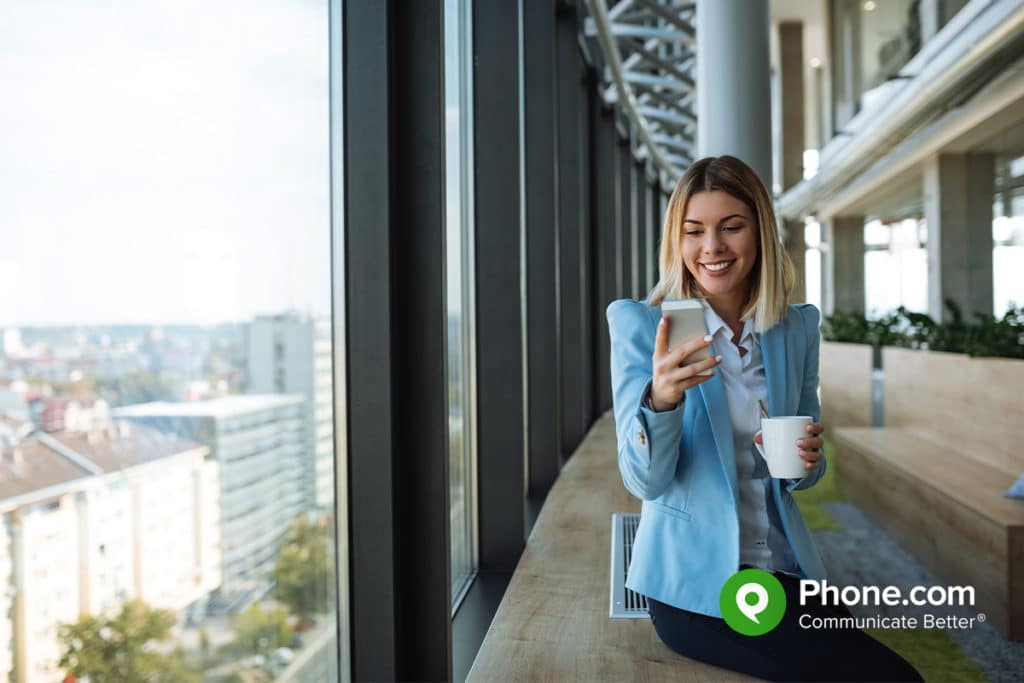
{"x":625,"y":604}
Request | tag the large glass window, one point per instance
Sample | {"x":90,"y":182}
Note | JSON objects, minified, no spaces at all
{"x":1008,"y":235}
{"x":871,"y":41}
{"x":166,"y":421}
{"x":895,"y":266}
{"x":460,"y":291}
{"x":812,"y":262}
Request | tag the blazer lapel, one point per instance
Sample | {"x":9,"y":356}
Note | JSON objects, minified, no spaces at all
{"x":713,"y":393}
{"x":773,"y":355}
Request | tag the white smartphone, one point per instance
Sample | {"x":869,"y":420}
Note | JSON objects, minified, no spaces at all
{"x":686,"y":323}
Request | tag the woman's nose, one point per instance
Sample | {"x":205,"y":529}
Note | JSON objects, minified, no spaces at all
{"x":712,"y":243}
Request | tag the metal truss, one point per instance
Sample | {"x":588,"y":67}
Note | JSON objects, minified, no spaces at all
{"x":649,"y":65}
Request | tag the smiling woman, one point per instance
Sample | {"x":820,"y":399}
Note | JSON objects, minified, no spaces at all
{"x":720,"y":246}
{"x":721,"y":214}
{"x":686,"y":442}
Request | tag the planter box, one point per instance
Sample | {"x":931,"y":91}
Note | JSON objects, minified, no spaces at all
{"x":971,"y":405}
{"x":933,"y":477}
{"x":844,"y":373}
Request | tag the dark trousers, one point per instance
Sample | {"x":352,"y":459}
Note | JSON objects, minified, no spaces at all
{"x":788,"y":652}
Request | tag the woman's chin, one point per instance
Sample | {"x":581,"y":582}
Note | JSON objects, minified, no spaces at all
{"x":716,"y":286}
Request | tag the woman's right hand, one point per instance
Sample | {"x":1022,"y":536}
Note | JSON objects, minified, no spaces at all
{"x":671,"y":377}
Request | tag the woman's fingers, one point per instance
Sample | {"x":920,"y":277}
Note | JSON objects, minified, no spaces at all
{"x":671,"y":378}
{"x":693,"y":370}
{"x":679,"y":354}
{"x":809,"y":447}
{"x":810,"y":458}
{"x":810,"y":443}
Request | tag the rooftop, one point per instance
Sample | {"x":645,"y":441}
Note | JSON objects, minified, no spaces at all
{"x":226,"y":406}
{"x":42,"y":461}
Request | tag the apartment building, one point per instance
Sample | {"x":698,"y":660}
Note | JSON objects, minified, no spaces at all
{"x":259,"y":444}
{"x":87,"y":523}
{"x":291,"y":354}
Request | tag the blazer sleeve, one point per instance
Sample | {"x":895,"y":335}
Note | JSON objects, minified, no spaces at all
{"x":809,"y":404}
{"x":648,"y":442}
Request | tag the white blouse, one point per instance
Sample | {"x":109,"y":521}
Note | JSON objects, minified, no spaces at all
{"x":762,"y":541}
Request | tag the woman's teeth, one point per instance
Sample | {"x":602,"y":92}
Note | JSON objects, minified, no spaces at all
{"x":718,"y":266}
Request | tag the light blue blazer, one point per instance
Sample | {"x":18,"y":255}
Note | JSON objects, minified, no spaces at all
{"x":682,"y":465}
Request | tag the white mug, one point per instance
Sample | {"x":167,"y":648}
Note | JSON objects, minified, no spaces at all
{"x":780,"y":450}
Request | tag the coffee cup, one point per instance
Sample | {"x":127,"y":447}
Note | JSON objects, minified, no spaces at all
{"x":780,"y":451}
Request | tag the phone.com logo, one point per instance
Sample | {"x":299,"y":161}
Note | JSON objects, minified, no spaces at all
{"x":753,"y":602}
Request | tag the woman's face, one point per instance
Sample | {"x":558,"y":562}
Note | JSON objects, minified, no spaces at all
{"x":719,"y":229}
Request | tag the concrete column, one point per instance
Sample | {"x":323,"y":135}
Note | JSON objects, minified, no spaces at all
{"x":843,"y":274}
{"x":958,"y":192}
{"x":734,"y":82}
{"x":794,"y":133}
{"x":794,"y":130}
{"x":928,"y":16}
{"x":796,"y":247}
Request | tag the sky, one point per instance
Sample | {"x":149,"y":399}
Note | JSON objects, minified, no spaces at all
{"x":163,"y":161}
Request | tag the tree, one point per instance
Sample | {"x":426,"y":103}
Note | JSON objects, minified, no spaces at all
{"x":260,"y":631}
{"x":138,"y":386}
{"x":305,"y":569}
{"x":120,"y":647}
{"x":204,"y":642}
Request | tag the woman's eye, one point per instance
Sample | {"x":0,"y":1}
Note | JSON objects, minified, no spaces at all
{"x":734,"y":228}
{"x":694,"y":232}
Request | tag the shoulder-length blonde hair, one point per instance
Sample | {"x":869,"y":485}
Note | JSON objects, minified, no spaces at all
{"x":772,"y":277}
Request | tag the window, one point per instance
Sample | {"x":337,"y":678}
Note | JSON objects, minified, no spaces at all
{"x":1008,"y":235}
{"x":167,"y":218}
{"x":459,"y":288}
{"x":895,"y":266}
{"x":871,"y":41}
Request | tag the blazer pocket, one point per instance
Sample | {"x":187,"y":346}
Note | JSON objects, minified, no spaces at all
{"x":671,"y":511}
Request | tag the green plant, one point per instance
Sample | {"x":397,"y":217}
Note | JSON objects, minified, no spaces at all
{"x":845,"y":327}
{"x":304,"y":569}
{"x":259,"y":630}
{"x":987,"y":336}
{"x":119,"y":647}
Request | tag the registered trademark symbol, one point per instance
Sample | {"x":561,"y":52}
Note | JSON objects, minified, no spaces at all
{"x":981,"y":617}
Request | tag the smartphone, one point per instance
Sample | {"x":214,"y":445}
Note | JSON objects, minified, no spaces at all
{"x":686,"y":323}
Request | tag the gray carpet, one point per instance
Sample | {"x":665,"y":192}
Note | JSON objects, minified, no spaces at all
{"x":862,"y":554}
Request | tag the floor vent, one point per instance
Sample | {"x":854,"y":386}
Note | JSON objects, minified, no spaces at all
{"x":624,"y":603}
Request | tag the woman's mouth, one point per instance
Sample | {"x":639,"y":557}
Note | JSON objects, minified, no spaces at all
{"x":717,"y":269}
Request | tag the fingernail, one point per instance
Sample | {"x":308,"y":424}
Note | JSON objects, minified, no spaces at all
{"x":718,"y":359}
{"x":708,"y":337}
{"x":662,"y":321}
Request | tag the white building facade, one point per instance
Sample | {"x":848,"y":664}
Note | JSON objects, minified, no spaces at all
{"x":90,"y":520}
{"x":291,"y":354}
{"x":258,"y":443}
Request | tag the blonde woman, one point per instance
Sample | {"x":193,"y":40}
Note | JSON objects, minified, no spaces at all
{"x":686,"y":441}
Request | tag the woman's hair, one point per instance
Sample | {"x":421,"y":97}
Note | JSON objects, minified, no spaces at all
{"x":771,"y":278}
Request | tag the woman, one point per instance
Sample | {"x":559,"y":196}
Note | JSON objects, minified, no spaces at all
{"x":686,"y":440}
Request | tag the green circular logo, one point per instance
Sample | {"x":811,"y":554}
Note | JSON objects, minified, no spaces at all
{"x":752,"y":602}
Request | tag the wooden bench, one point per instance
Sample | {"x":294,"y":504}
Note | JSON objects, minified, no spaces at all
{"x":933,"y":477}
{"x":553,"y":624}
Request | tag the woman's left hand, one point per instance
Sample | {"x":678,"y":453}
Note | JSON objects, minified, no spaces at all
{"x":809,"y":447}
